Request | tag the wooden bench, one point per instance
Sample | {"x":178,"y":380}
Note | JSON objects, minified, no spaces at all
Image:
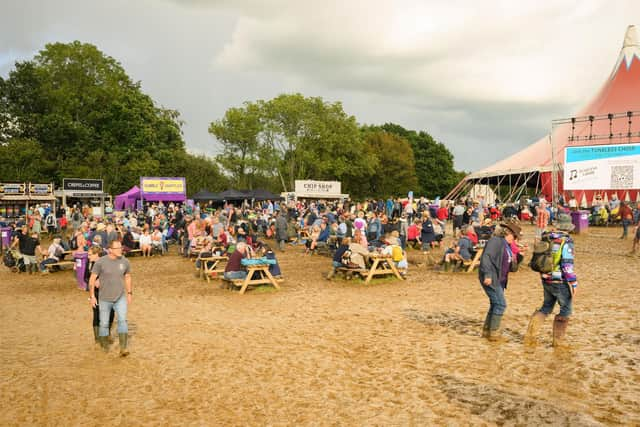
{"x":381,"y":265}
{"x":134,"y":252}
{"x":59,"y":265}
{"x":209,"y":266}
{"x":470,"y":265}
{"x":264,"y":278}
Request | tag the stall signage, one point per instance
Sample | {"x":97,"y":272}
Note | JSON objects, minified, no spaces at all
{"x":83,"y":185}
{"x":158,"y":185}
{"x":42,"y":189}
{"x":13,"y":188}
{"x":317,"y":188}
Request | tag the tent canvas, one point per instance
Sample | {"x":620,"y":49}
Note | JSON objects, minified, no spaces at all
{"x":232,"y":194}
{"x":261,"y":194}
{"x":535,"y":163}
{"x":206,"y":195}
{"x":127,"y":199}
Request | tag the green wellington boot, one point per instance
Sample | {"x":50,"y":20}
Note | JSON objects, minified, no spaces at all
{"x":537,"y":319}
{"x":560,"y":324}
{"x":96,"y":334}
{"x":494,"y":329}
{"x":486,"y":327}
{"x":124,"y":352}
{"x":104,"y":343}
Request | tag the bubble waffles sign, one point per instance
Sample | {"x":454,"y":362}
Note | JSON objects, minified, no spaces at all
{"x":161,"y":185}
{"x":602,"y":167}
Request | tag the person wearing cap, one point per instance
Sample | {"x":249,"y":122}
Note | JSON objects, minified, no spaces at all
{"x":495,"y":264}
{"x":559,"y":286}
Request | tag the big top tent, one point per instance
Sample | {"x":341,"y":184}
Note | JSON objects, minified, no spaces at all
{"x":612,"y":117}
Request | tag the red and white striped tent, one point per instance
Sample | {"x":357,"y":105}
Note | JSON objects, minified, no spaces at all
{"x":612,"y":117}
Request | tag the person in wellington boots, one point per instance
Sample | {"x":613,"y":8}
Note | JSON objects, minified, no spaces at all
{"x":115,"y":293}
{"x":559,"y":286}
{"x":495,"y":264}
{"x":95,"y":252}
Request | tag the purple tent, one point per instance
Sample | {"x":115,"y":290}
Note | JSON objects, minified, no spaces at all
{"x":128,"y":199}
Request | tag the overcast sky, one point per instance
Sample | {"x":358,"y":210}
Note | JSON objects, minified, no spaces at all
{"x":483,"y":77}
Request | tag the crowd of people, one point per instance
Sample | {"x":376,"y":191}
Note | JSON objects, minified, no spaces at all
{"x":348,"y":231}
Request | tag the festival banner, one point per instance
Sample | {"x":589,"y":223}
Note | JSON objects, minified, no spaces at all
{"x":162,"y":185}
{"x":308,"y":188}
{"x":602,"y":167}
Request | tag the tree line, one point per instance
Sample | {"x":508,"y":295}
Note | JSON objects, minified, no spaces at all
{"x":73,"y":111}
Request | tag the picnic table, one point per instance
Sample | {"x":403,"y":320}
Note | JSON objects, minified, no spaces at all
{"x":475,"y":262}
{"x":381,"y":265}
{"x":210,"y":265}
{"x":264,"y":277}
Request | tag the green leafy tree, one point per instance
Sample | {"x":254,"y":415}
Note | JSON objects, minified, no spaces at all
{"x":243,"y":155}
{"x":433,"y":161}
{"x":89,"y":117}
{"x":291,"y":137}
{"x":22,"y":161}
{"x":395,"y":174}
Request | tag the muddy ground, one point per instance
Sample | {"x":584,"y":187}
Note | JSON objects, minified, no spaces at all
{"x":321,"y":352}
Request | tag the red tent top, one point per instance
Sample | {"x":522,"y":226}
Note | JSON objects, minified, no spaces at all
{"x":619,"y":94}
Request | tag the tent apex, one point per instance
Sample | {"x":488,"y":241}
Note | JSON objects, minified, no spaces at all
{"x":631,"y":38}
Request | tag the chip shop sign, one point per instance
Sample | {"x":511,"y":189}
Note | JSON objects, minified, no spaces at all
{"x":82,"y":185}
{"x":318,"y":188}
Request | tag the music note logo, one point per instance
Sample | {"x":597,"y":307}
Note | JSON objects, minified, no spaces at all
{"x":573,"y":175}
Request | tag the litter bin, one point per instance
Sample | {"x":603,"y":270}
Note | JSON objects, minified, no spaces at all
{"x":581,"y":220}
{"x":81,"y":260}
{"x":5,"y":235}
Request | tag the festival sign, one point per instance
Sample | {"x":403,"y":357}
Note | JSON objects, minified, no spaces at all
{"x":13,"y":189}
{"x":308,"y":188}
{"x":82,"y":185}
{"x":40,"y":189}
{"x":602,"y":167}
{"x":161,"y":185}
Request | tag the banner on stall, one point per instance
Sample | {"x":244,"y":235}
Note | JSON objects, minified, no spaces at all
{"x":162,"y":185}
{"x":308,"y":188}
{"x":602,"y":167}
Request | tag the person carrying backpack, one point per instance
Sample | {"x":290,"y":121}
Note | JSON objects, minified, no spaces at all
{"x":559,"y":283}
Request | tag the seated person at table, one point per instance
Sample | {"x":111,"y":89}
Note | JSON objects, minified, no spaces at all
{"x":205,"y":252}
{"x":338,"y":255}
{"x":461,"y":252}
{"x":54,"y":254}
{"x":268,"y":253}
{"x":359,"y":252}
{"x":362,"y":239}
{"x":234,"y":269}
{"x":156,"y":240}
{"x":311,"y":242}
{"x":128,"y":243}
{"x":145,"y":243}
{"x":413,"y":234}
{"x":427,"y":233}
{"x":470,"y":232}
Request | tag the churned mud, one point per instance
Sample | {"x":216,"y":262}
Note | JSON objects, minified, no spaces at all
{"x":321,"y":352}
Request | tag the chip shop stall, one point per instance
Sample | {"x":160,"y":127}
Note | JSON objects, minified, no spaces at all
{"x":82,"y":192}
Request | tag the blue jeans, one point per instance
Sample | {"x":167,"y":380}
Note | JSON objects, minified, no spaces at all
{"x":120,"y":307}
{"x":234,"y":275}
{"x":560,"y":293}
{"x":337,"y":264}
{"x":497,"y":301}
{"x":625,"y":227}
